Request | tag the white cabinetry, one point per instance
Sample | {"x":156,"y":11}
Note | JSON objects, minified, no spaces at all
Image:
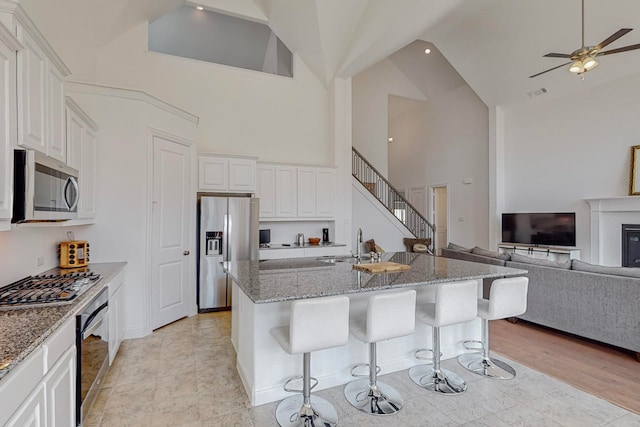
{"x":315,"y":192}
{"x":81,"y":148}
{"x":41,"y":74}
{"x":8,"y":119}
{"x":295,"y":192}
{"x":41,"y":391}
{"x":226,"y":174}
{"x":558,"y":254}
{"x":116,"y":312}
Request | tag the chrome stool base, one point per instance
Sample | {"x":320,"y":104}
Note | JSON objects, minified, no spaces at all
{"x":292,"y":412}
{"x":444,"y":381}
{"x":379,"y":400}
{"x":486,"y":366}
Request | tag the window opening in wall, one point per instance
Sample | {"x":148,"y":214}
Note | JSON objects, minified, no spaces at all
{"x":213,"y":37}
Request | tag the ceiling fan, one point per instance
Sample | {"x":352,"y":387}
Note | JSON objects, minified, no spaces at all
{"x":584,"y":58}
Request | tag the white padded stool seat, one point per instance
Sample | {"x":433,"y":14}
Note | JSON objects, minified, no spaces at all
{"x":389,"y":315}
{"x":314,"y":324}
{"x":454,"y":303}
{"x":507,"y":298}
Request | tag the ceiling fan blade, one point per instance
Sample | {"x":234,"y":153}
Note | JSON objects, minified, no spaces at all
{"x":550,"y":69}
{"x":557,"y":55}
{"x":615,"y":36}
{"x":620,"y":49}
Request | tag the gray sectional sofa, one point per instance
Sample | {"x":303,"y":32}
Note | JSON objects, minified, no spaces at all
{"x":591,"y":301}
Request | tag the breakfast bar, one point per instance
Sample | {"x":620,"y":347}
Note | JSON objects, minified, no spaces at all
{"x":263,"y":292}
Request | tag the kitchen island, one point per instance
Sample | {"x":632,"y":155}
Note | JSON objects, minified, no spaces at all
{"x":263,"y":292}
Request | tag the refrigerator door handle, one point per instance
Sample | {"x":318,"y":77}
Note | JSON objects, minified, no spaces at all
{"x":228,"y":223}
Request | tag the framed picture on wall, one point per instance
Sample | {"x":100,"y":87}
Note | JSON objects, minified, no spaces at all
{"x":634,"y":185}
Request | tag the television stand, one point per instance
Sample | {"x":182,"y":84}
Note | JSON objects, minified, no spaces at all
{"x":551,"y":253}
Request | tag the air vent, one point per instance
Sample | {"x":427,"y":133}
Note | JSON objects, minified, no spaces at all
{"x":537,"y":92}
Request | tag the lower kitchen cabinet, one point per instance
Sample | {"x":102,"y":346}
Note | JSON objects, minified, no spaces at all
{"x":116,"y":312}
{"x":43,"y":386}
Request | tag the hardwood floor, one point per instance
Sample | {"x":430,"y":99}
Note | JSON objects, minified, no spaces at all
{"x":607,"y":372}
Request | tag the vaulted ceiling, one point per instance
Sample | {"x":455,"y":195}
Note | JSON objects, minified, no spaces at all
{"x":495,"y":45}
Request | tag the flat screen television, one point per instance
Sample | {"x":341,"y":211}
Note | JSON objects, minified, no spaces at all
{"x":545,"y":229}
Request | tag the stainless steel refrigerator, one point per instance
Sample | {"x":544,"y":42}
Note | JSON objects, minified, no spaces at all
{"x":227,"y":231}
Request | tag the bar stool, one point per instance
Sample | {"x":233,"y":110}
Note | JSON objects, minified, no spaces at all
{"x":507,"y":298}
{"x":454,"y":303}
{"x":315,"y":324}
{"x":389,"y":315}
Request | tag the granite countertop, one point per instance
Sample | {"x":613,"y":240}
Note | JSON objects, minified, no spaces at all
{"x":297,"y":278}
{"x":305,"y":246}
{"x":23,"y":330}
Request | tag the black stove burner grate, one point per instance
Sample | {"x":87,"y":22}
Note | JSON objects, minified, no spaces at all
{"x":43,"y":289}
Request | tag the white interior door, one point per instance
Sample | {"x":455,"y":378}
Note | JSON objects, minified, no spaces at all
{"x":170,"y":239}
{"x":418,"y":198}
{"x":440,"y":216}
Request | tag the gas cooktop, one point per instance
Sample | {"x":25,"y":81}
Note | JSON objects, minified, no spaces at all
{"x":46,"y":290}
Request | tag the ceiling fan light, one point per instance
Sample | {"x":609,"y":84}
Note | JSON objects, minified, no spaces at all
{"x":590,"y":63}
{"x":577,"y":67}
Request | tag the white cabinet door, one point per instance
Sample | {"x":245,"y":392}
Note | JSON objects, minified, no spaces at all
{"x":266,"y":190}
{"x":306,"y":192}
{"x":213,"y":174}
{"x":8,"y":126}
{"x":325,"y":190}
{"x":32,"y":93}
{"x":32,"y":412}
{"x":88,"y":175}
{"x":116,"y":313}
{"x":60,"y":386}
{"x":286,"y":192}
{"x":75,"y":129}
{"x":56,"y":138}
{"x":81,"y":149}
{"x":242,"y":176}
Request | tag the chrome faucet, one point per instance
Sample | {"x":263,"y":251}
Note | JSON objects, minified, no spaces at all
{"x":358,"y":243}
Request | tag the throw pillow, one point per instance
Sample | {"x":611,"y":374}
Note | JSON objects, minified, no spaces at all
{"x":455,"y":247}
{"x":491,"y":254}
{"x":409,"y":242}
{"x":419,"y":247}
{"x":542,"y":262}
{"x":603,"y":269}
{"x":370,"y":246}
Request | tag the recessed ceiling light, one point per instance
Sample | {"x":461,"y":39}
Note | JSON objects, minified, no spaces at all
{"x":199,"y":7}
{"x":427,"y":51}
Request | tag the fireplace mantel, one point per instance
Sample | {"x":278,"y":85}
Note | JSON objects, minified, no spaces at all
{"x":607,"y":216}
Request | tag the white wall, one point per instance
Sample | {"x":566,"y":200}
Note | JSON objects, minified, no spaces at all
{"x":20,"y":247}
{"x":122,"y":228}
{"x":408,"y":151}
{"x":561,"y":151}
{"x":371,"y":90}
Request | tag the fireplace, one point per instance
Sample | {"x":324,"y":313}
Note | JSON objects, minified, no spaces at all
{"x":631,"y":245}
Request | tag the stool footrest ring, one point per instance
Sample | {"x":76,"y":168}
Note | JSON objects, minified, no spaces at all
{"x":362,"y":365}
{"x":418,"y":354}
{"x":297,"y":378}
{"x":473,"y":345}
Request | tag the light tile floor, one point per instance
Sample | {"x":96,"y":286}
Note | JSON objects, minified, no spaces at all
{"x":184,"y":375}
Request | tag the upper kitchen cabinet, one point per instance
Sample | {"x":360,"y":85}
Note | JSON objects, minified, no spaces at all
{"x":8,"y":118}
{"x":226,"y":174}
{"x":289,"y":192}
{"x":81,"y":155}
{"x":40,"y":74}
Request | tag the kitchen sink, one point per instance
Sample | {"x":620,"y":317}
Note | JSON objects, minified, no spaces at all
{"x":332,"y":259}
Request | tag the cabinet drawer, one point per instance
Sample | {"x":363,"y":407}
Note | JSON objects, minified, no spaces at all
{"x":59,"y":342}
{"x":17,"y":385}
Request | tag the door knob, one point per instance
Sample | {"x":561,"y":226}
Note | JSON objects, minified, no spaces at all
{"x":185,"y":253}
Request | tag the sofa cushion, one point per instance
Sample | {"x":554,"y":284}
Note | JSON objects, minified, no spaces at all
{"x":602,"y":269}
{"x":490,"y":254}
{"x":455,"y":247}
{"x":543,"y":262}
{"x":408,"y":242}
{"x":468,"y":256}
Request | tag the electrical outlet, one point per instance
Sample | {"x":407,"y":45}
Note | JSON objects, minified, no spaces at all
{"x":39,"y":261}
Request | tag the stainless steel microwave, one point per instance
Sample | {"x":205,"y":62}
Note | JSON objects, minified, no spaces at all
{"x":44,"y":189}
